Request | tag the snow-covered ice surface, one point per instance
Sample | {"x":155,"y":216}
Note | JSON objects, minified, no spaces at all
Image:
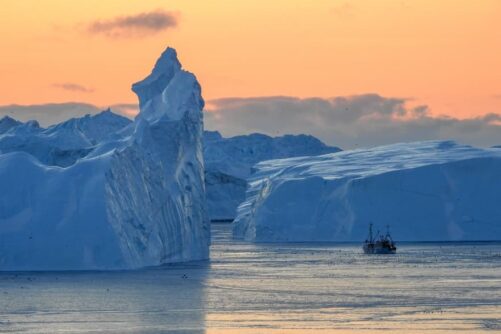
{"x":229,"y":162}
{"x":61,"y":144}
{"x":99,"y":192}
{"x":270,"y":288}
{"x":433,"y":190}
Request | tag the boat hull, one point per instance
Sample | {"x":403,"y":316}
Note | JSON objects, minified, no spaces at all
{"x":369,"y":249}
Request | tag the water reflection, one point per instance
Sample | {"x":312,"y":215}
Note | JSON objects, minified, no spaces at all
{"x":155,"y":300}
{"x":265,"y":288}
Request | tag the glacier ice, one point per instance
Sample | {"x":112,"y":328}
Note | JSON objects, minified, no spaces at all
{"x":101,"y":192}
{"x":62,"y":144}
{"x":426,"y":191}
{"x":229,"y":162}
{"x":7,"y":123}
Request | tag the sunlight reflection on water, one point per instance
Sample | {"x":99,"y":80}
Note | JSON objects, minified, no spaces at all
{"x":264,"y":288}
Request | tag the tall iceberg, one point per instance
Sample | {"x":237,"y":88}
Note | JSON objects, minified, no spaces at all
{"x":129,"y":195}
{"x":426,"y":191}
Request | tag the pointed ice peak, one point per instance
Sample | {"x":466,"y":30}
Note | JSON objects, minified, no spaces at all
{"x":108,"y":114}
{"x":6,"y":119}
{"x":92,"y":127}
{"x":32,"y":124}
{"x":103,"y":116}
{"x":7,"y":122}
{"x":168,"y":59}
{"x":107,"y":111}
{"x":163,"y":72}
{"x":22,"y":129}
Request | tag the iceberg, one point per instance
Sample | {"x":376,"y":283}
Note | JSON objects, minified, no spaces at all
{"x":101,"y":192}
{"x":62,"y":144}
{"x":426,"y":191}
{"x":7,"y":123}
{"x":229,"y":162}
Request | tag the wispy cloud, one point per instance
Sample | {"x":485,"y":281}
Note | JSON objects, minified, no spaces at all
{"x":348,"y":122}
{"x":126,"y":109}
{"x":135,"y":25}
{"x":73,"y":87}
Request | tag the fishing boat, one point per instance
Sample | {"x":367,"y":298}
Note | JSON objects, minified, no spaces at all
{"x":382,"y":244}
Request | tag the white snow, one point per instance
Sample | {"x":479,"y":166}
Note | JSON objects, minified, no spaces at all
{"x":435,"y":190}
{"x":229,"y":161}
{"x":100,"y":193}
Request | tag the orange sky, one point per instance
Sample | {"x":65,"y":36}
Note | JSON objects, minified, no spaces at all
{"x":446,"y":53}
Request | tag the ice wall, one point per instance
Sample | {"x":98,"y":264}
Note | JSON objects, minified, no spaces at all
{"x":425,"y":191}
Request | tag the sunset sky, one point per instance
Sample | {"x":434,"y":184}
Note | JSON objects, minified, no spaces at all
{"x":443,"y":54}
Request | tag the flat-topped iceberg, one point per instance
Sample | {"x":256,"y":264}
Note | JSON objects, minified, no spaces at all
{"x":103,"y":193}
{"x":428,"y":191}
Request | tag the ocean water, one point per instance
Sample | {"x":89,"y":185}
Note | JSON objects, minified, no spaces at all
{"x":270,"y":288}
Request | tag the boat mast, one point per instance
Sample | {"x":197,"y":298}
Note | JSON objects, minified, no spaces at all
{"x":388,"y":236}
{"x":370,"y":233}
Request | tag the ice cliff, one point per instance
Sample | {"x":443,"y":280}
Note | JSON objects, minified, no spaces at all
{"x":229,"y":162}
{"x":429,"y":191}
{"x":100,"y":192}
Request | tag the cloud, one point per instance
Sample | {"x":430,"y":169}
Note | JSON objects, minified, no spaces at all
{"x":73,"y":87}
{"x":135,"y":25}
{"x":349,"y":122}
{"x":127,"y":109}
{"x":52,"y":113}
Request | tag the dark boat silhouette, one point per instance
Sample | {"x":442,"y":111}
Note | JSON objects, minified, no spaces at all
{"x":382,"y":244}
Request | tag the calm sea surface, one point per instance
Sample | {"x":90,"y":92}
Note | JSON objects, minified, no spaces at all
{"x":270,"y":288}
